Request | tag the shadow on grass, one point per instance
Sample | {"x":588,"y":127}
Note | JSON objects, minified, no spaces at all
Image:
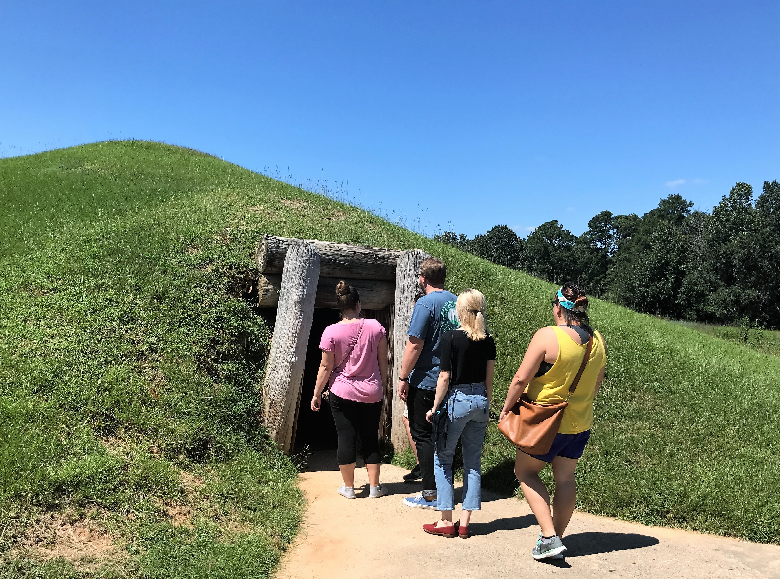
{"x":500,"y":478}
{"x":593,"y":543}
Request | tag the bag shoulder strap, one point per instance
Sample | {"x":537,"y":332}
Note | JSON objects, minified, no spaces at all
{"x":352,"y":346}
{"x":585,"y":359}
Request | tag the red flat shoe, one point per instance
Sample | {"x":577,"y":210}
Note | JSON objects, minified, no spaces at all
{"x":463,"y":532}
{"x":446,"y":531}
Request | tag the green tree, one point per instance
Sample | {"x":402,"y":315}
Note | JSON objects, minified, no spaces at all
{"x":500,"y":245}
{"x":727,"y":274}
{"x":649,"y":262}
{"x":548,"y":253}
{"x":593,"y":250}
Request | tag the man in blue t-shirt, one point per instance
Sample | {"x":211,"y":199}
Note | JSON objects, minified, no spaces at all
{"x":434,"y":314}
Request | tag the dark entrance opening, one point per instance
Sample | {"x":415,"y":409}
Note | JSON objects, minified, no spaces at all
{"x":315,"y":429}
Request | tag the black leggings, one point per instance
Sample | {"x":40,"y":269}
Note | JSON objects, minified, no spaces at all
{"x":355,"y":419}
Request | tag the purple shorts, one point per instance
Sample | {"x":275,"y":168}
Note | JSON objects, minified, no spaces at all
{"x":566,"y":445}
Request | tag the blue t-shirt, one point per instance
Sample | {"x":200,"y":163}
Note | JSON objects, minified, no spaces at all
{"x":433,"y":315}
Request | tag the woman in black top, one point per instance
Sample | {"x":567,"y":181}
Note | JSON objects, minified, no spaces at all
{"x":468,"y":358}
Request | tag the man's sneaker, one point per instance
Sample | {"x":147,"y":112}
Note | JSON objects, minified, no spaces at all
{"x":418,"y":502}
{"x":547,"y":548}
{"x":413,"y":474}
{"x":376,"y":492}
{"x":345,"y":491}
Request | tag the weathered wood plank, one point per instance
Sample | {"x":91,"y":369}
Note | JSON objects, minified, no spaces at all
{"x":406,"y":287}
{"x":284,"y":370}
{"x":374,"y":294}
{"x":338,"y":260}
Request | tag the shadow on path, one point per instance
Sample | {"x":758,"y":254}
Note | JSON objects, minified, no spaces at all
{"x":593,"y":543}
{"x":505,"y":524}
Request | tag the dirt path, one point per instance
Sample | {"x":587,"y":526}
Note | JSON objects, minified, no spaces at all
{"x":381,"y":538}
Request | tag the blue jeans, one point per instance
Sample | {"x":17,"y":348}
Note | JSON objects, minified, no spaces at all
{"x":467,"y":414}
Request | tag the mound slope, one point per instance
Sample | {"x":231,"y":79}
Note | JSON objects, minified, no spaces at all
{"x":130,"y":357}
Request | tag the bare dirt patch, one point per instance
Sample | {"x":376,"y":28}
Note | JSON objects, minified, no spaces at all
{"x":337,"y":216}
{"x":293,"y":203}
{"x":180,"y":515}
{"x":190,"y":482}
{"x":81,"y":541}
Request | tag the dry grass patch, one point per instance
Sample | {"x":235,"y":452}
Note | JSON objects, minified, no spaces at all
{"x":294,"y":203}
{"x":79,"y":540}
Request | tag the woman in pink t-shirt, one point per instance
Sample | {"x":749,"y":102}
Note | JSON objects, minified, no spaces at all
{"x":354,"y":363}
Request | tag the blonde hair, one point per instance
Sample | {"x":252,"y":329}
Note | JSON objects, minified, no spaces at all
{"x":471,"y":314}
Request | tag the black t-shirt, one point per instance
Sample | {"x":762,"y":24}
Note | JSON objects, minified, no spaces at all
{"x":465,"y":359}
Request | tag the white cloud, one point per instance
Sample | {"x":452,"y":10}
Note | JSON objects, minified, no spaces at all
{"x":675,"y":183}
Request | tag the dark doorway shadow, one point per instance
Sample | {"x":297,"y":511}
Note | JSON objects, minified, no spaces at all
{"x":593,"y":543}
{"x":315,"y":431}
{"x":322,"y":460}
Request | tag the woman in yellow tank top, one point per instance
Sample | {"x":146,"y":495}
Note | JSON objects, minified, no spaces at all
{"x":548,"y":369}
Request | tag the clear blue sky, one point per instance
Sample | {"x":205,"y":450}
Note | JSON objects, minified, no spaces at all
{"x":465,"y":114}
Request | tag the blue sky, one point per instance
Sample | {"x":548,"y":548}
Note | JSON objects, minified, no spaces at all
{"x":449,"y":115}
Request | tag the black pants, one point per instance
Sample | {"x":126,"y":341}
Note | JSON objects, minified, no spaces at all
{"x":419,"y":402}
{"x":355,"y":419}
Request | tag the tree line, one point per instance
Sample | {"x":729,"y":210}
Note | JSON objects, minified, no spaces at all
{"x":721,"y":267}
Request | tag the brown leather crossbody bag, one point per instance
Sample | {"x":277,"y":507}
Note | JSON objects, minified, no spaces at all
{"x":532,"y":427}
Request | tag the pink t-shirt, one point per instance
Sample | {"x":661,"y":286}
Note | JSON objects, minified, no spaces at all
{"x":358,"y":379}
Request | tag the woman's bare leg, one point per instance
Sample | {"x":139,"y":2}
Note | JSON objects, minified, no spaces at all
{"x":465,"y":517}
{"x":527,"y":469}
{"x":373,"y":474}
{"x":565,"y":492}
{"x":446,"y":519}
{"x":348,"y":474}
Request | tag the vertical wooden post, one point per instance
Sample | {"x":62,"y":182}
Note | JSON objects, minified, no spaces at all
{"x":284,"y":370}
{"x":405,"y":289}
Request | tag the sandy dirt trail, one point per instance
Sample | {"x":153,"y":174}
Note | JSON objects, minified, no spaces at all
{"x":382,"y":538}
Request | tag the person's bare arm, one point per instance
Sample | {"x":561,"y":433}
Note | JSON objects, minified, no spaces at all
{"x":442,"y":385}
{"x":323,"y":374}
{"x":489,"y":373}
{"x":411,"y":354}
{"x":381,"y":352}
{"x":528,"y":368}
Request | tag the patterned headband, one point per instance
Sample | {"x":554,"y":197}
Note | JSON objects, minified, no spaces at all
{"x":570,"y":305}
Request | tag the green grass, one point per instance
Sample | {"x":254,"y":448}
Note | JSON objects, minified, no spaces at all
{"x":130,"y":360}
{"x":758,"y":339}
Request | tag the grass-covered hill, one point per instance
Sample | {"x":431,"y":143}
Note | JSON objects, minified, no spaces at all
{"x":130,"y":360}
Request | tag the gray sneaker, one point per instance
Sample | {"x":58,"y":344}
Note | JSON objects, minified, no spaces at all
{"x":547,"y":548}
{"x":376,"y":492}
{"x":557,"y":557}
{"x":345,"y":491}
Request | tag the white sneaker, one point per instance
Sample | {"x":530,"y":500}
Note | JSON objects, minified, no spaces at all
{"x":345,"y":491}
{"x":376,"y":492}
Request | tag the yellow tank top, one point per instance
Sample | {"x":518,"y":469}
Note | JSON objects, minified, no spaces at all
{"x":553,"y":386}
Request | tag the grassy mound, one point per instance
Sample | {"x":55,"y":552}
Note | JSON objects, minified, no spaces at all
{"x":130,"y":359}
